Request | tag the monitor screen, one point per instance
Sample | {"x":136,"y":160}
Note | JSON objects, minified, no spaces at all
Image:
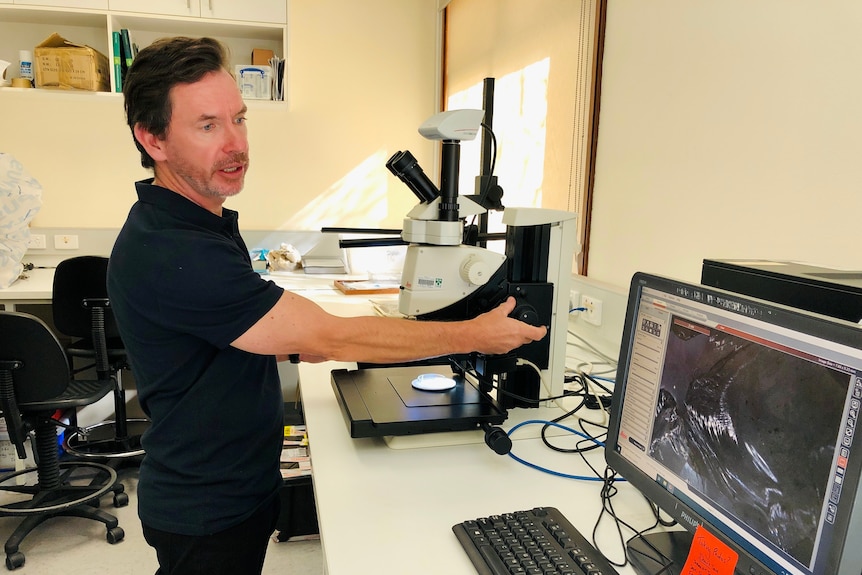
{"x":739,"y":416}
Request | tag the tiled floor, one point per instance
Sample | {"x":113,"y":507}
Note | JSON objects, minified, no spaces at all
{"x":74,"y":546}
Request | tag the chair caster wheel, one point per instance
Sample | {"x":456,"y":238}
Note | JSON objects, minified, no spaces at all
{"x":121,"y":499}
{"x":115,"y":535}
{"x":14,"y":560}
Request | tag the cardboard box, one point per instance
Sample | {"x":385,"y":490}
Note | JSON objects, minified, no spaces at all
{"x":63,"y":65}
{"x":261,"y":57}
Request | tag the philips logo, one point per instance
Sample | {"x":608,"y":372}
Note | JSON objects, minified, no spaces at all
{"x":689,"y":519}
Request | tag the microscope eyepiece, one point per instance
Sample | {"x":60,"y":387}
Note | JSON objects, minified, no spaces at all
{"x":405,"y":166}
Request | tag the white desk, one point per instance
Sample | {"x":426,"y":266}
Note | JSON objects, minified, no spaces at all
{"x":387,"y":510}
{"x":38,"y":285}
{"x":36,"y":288}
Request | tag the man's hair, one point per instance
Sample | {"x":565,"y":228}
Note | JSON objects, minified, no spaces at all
{"x":158,"y":68}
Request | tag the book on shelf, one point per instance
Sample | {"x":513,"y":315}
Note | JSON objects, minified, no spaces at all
{"x":118,"y":65}
{"x":127,"y":55}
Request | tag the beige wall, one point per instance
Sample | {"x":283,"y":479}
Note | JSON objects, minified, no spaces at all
{"x":361,"y":79}
{"x":728,"y":130}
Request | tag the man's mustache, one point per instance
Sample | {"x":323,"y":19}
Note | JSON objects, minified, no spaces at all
{"x":235,"y":158}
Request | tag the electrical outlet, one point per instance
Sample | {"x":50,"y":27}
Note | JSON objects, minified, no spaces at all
{"x":65,"y":242}
{"x":593,"y":312}
{"x":574,"y":299}
{"x":37,"y":242}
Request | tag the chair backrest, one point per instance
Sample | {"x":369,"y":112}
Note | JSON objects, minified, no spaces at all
{"x":76,"y":279}
{"x":44,"y":371}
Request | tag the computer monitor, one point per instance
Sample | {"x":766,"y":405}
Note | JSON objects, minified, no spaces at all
{"x":739,"y":416}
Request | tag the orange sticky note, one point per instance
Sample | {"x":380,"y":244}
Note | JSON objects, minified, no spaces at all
{"x":709,"y":556}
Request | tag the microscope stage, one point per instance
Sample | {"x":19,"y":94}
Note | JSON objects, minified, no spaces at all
{"x":382,"y":401}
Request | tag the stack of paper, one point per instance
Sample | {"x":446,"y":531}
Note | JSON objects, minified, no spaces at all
{"x":295,"y":461}
{"x":277,"y":65}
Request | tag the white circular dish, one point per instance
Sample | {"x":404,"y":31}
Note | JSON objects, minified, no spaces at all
{"x":433,"y":382}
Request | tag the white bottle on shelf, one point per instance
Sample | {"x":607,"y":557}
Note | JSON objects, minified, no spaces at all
{"x":25,"y":59}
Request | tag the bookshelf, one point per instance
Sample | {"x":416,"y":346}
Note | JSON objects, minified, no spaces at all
{"x":240,"y":26}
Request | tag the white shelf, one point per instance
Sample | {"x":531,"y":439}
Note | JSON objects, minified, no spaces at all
{"x":24,"y":27}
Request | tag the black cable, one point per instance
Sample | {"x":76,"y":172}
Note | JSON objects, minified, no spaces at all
{"x":487,"y":184}
{"x":598,"y":383}
{"x":490,"y":383}
{"x":607,"y":493}
{"x":490,"y":132}
{"x":547,"y":426}
{"x":584,"y":445}
{"x":659,"y":558}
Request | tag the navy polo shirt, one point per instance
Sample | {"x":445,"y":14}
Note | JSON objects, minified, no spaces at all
{"x":182,"y":289}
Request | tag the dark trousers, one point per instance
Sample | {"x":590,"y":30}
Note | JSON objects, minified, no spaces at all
{"x":239,"y":550}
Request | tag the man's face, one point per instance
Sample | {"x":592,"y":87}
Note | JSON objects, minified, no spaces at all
{"x":206,"y":145}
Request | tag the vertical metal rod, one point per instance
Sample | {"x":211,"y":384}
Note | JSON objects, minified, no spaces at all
{"x":485,"y":173}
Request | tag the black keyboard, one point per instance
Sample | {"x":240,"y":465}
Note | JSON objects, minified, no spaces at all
{"x":536,"y":542}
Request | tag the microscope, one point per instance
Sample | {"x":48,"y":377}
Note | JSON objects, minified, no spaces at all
{"x":447,"y":276}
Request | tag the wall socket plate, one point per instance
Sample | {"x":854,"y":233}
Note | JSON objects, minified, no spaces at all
{"x":593,"y":312}
{"x":37,"y":242}
{"x":65,"y":242}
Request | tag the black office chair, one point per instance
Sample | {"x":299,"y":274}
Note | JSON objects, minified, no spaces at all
{"x":36,"y":383}
{"x":81,"y":310}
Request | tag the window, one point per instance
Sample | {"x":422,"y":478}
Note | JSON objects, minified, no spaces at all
{"x":541,"y":54}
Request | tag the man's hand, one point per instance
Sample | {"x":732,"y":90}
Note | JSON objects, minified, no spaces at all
{"x":498,"y":333}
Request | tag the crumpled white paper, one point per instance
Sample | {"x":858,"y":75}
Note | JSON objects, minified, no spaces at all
{"x":20,"y":200}
{"x":286,"y":258}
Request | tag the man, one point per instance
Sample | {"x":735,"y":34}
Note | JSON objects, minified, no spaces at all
{"x":203,"y":331}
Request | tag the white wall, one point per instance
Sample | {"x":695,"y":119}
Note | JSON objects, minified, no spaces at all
{"x":361,"y":80}
{"x":728,"y":129}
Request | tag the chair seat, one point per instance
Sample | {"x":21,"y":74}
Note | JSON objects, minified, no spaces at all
{"x":79,"y":392}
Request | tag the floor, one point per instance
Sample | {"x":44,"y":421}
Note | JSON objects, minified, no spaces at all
{"x":74,"y":546}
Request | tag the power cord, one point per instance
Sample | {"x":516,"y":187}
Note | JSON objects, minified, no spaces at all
{"x":609,"y":490}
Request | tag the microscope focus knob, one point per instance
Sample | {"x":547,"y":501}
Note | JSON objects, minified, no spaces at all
{"x":475,"y":271}
{"x":527,"y":314}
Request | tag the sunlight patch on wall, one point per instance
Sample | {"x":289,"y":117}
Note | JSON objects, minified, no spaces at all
{"x":356,"y":200}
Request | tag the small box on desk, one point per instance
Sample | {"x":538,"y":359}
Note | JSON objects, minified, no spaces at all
{"x":63,"y":65}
